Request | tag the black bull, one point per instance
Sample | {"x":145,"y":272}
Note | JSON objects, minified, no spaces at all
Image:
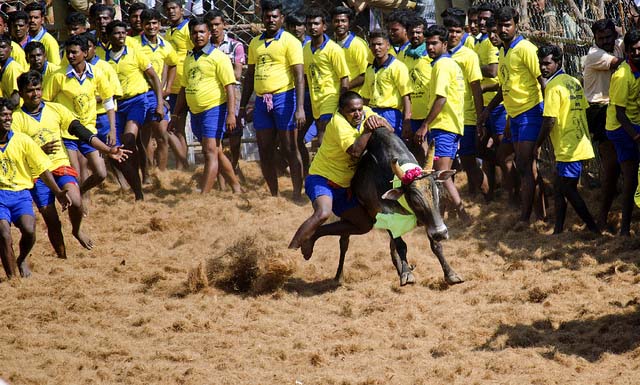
{"x":372,"y":181}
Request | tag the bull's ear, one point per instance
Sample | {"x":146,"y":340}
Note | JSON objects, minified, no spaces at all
{"x":393,"y":195}
{"x":443,"y":175}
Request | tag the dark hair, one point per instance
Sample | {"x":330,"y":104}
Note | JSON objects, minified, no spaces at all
{"x":342,"y":10}
{"x":378,"y":34}
{"x":18,"y":15}
{"x":487,"y":7}
{"x":455,"y":13}
{"x":506,"y":14}
{"x":294,"y":18}
{"x":167,"y":2}
{"x":90,"y":37}
{"x":150,"y":14}
{"x":101,"y":8}
{"x":347,"y":97}
{"x":196,"y":21}
{"x":437,"y":30}
{"x":78,"y":40}
{"x":550,"y":49}
{"x":30,"y":78}
{"x":416,"y":21}
{"x":6,"y":103}
{"x":32,"y":46}
{"x":4,"y":38}
{"x":213,"y":14}
{"x":490,"y":23}
{"x":603,"y":25}
{"x":136,"y":7}
{"x":270,"y":5}
{"x":452,"y":22}
{"x":399,"y":16}
{"x":34,"y":6}
{"x":75,"y":18}
{"x":115,"y":24}
{"x":315,"y":12}
{"x":630,"y":39}
{"x":473,"y":10}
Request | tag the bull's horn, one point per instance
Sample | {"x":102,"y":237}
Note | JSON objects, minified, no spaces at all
{"x":430,"y":155}
{"x":395,"y":167}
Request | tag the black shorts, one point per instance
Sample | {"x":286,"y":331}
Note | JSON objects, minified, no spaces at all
{"x":597,"y":119}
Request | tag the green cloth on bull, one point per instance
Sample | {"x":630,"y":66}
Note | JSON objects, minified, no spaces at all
{"x":398,"y":224}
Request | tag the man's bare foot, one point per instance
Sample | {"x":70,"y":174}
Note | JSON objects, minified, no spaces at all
{"x":84,"y":240}
{"x":25,"y":272}
{"x":307,"y":248}
{"x":61,"y":251}
{"x":237,"y":189}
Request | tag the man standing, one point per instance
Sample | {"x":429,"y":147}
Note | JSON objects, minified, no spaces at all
{"x":276,"y":72}
{"x":356,"y":51}
{"x":521,"y":86}
{"x":10,"y":70}
{"x":135,"y":19}
{"x":38,"y":33}
{"x":397,"y":30}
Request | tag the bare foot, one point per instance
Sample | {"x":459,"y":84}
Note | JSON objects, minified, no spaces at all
{"x":25,"y":272}
{"x":61,"y":251}
{"x":84,"y":240}
{"x":307,"y":248}
{"x":237,"y":189}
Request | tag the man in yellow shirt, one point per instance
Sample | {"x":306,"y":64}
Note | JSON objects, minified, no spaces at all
{"x":35,"y":52}
{"x":396,"y":23}
{"x":38,"y":33}
{"x":356,"y":50}
{"x":276,"y":73}
{"x":133,"y":69}
{"x":332,"y":169}
{"x":467,"y":39}
{"x":16,"y":52}
{"x":9,"y":71}
{"x":565,"y":120}
{"x":208,"y":88}
{"x":521,"y":89}
{"x":45,"y":123}
{"x":21,"y":159}
{"x":19,"y":27}
{"x":387,"y":89}
{"x":468,"y":61}
{"x":623,"y":122}
{"x":444,"y":123}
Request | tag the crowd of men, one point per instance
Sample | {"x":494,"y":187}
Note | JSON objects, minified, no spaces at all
{"x":124,"y":90}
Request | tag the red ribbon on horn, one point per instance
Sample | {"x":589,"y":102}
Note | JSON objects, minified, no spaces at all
{"x":411,"y":175}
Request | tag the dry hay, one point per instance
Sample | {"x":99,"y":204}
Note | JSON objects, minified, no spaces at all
{"x":247,"y":266}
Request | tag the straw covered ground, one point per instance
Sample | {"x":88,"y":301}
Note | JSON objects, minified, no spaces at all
{"x":189,"y":289}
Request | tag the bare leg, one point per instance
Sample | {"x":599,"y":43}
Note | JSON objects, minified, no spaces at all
{"x":444,"y":163}
{"x":98,"y":169}
{"x":302,"y":147}
{"x":610,"y":174}
{"x":142,"y":141}
{"x":210,"y":149}
{"x":179,"y":142}
{"x":54,"y":229}
{"x":129,"y":168}
{"x":528,"y":174}
{"x":226,"y":170}
{"x":289,"y":144}
{"x":267,"y":148}
{"x":477,"y":178}
{"x":6,"y":249}
{"x":630,"y":179}
{"x":321,"y":212}
{"x":27,"y":226}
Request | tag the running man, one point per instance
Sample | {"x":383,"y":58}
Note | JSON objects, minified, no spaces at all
{"x":276,"y":73}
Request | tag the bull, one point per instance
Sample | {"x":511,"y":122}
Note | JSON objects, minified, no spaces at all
{"x":386,"y":156}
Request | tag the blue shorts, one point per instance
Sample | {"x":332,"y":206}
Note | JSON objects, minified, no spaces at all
{"x":468,"y":142}
{"x":78,"y":145}
{"x":569,"y":169}
{"x":393,"y":116}
{"x":416,"y":124}
{"x":131,"y":109}
{"x":282,"y":117}
{"x":311,"y":133}
{"x":102,"y":125}
{"x":446,"y":142}
{"x":42,"y":194}
{"x":152,"y":103}
{"x":14,"y":204}
{"x":626,"y":148}
{"x":497,"y":121}
{"x":209,"y":123}
{"x":526,"y":126}
{"x":342,"y":198}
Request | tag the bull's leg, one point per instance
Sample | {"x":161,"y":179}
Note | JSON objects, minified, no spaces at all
{"x":398,"y":249}
{"x":450,"y":276}
{"x":344,"y":246}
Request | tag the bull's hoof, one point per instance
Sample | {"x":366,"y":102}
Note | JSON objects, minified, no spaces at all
{"x":453,"y":279}
{"x":407,"y":278}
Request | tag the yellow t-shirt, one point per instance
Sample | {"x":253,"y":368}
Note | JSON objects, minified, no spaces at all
{"x":51,"y":47}
{"x":624,"y":91}
{"x":111,"y":77}
{"x":447,"y":81}
{"x":358,"y":56}
{"x":420,"y":75}
{"x":79,"y":96}
{"x":470,"y":65}
{"x":160,"y":54}
{"x":332,"y":160}
{"x":488,"y":54}
{"x":20,"y":159}
{"x":397,"y":52}
{"x":385,"y":86}
{"x":324,"y":69}
{"x":130,"y":67}
{"x":53,"y":120}
{"x":205,"y":76}
{"x":273,"y":59}
{"x":101,"y":49}
{"x":180,"y":39}
{"x":9,"y":77}
{"x":48,"y":69}
{"x":564,"y":100}
{"x":518,"y":72}
{"x":468,"y":41}
{"x":17,"y":53}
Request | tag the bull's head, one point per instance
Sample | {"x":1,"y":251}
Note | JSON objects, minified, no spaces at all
{"x":421,"y":191}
